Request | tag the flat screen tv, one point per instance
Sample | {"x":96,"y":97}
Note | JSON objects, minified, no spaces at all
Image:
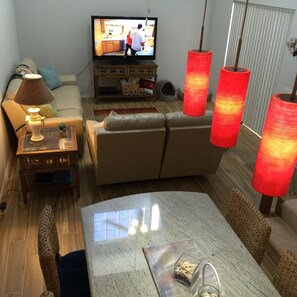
{"x":124,"y":38}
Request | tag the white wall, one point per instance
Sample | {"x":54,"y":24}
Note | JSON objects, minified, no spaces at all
{"x":58,"y":32}
{"x":8,"y":60}
{"x":220,"y":18}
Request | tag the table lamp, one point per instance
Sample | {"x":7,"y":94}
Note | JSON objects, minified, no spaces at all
{"x":33,"y":91}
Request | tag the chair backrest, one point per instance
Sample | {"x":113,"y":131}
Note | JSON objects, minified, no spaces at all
{"x":48,"y":250}
{"x":248,"y":223}
{"x":285,"y":279}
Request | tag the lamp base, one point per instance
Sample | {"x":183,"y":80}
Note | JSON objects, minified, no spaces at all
{"x":36,"y":138}
{"x":35,"y":124}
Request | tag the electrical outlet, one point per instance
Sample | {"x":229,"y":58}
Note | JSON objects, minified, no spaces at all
{"x":288,"y":90}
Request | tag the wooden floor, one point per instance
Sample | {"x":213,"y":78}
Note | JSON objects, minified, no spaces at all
{"x":20,"y":274}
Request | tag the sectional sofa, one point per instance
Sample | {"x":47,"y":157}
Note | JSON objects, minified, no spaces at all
{"x":138,"y":147}
{"x":66,"y":107}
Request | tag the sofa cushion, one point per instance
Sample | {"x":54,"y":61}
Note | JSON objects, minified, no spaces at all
{"x":179,"y":119}
{"x":50,"y":77}
{"x":134,"y":121}
{"x":70,"y":113}
{"x":68,"y":79}
{"x":67,"y":97}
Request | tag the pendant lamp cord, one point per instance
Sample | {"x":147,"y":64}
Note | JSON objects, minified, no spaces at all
{"x":293,"y":96}
{"x":148,"y":5}
{"x":202,"y":27}
{"x":240,"y":39}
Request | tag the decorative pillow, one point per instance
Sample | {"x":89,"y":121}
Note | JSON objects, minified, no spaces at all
{"x":50,"y":77}
{"x":48,"y":111}
{"x":147,"y":85}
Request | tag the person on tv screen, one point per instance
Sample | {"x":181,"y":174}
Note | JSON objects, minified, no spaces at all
{"x":128,"y":43}
{"x":138,"y":40}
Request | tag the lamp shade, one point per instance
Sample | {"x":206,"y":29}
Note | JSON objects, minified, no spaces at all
{"x":196,"y":83}
{"x":229,"y":104}
{"x":277,"y":155}
{"x":33,"y":91}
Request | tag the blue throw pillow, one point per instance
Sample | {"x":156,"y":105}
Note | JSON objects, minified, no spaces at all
{"x":50,"y":77}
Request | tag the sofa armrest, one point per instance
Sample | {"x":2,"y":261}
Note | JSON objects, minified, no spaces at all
{"x":69,"y":79}
{"x":15,"y":114}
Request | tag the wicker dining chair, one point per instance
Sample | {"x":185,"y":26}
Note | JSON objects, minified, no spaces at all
{"x":63,"y":275}
{"x":248,"y":223}
{"x":285,"y":278}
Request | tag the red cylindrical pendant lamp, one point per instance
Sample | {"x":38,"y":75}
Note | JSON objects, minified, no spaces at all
{"x":230,"y":98}
{"x":277,"y":155}
{"x":197,"y":77}
{"x":229,"y":104}
{"x":196,"y":83}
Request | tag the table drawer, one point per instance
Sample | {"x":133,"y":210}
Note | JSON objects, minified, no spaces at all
{"x":142,"y":71}
{"x":47,"y":160}
{"x":112,"y":72}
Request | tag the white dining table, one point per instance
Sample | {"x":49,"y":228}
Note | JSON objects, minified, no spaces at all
{"x":117,"y":230}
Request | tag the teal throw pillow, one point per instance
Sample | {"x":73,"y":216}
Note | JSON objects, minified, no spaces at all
{"x":50,"y":77}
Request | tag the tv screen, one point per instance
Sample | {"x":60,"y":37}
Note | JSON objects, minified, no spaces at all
{"x":124,"y":38}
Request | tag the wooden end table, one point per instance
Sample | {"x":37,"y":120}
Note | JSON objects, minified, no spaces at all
{"x":50,"y":164}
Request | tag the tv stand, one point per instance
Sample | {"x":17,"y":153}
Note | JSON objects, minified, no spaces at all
{"x":115,"y":71}
{"x":123,"y":62}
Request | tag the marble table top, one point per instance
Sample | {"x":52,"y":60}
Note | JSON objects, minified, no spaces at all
{"x":116,"y":231}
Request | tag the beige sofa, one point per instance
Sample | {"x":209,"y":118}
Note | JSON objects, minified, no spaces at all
{"x":151,"y":146}
{"x":67,"y":103}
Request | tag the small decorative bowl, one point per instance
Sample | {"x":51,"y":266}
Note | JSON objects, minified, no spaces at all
{"x":186,"y":270}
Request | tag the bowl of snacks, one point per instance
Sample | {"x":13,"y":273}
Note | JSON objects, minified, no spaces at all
{"x":186,"y":270}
